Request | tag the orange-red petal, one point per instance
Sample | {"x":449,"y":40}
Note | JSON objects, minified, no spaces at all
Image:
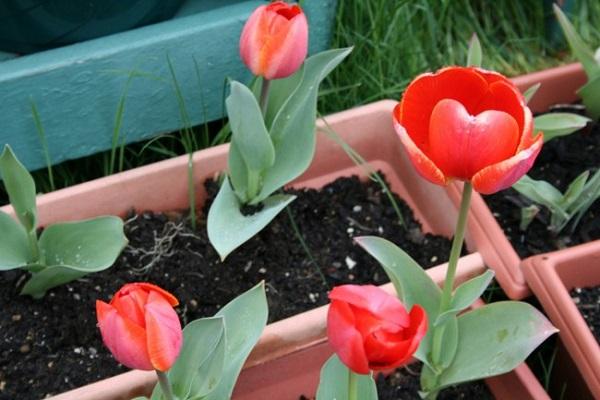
{"x":462,"y":144}
{"x":465,"y":85}
{"x":422,"y":163}
{"x":504,"y":174}
{"x":163,"y":332}
{"x":125,"y":339}
{"x":344,"y":338}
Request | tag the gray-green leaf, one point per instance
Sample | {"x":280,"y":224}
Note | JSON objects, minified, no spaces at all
{"x":542,"y":193}
{"x":531,"y":91}
{"x":14,"y":245}
{"x":71,"y":250}
{"x":249,"y":132}
{"x":245,"y":319}
{"x":199,"y":367}
{"x":228,"y":228}
{"x":475,"y":54}
{"x":333,"y":383}
{"x":559,"y":124}
{"x":590,"y":95}
{"x":581,"y":51}
{"x":293,"y":128}
{"x":466,"y":294}
{"x":20,"y":187}
{"x":494,"y":339}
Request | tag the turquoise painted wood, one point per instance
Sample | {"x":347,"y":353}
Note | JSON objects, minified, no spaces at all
{"x":77,"y":88}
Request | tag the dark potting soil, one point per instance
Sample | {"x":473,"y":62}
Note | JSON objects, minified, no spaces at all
{"x":560,"y":161}
{"x":587,"y":300}
{"x":404,"y":384}
{"x":53,"y":345}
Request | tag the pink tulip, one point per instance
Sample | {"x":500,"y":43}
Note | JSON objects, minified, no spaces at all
{"x":140,"y":327}
{"x":274,"y":41}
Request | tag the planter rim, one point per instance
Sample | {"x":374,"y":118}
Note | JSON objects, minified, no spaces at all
{"x":548,"y":286}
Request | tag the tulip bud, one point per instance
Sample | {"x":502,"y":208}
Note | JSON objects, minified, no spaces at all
{"x":369,"y":329}
{"x":140,"y":327}
{"x":274,"y":41}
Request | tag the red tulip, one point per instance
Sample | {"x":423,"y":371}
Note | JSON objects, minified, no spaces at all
{"x":140,"y":327}
{"x":370,"y":329}
{"x":274,"y":41}
{"x":470,"y":124}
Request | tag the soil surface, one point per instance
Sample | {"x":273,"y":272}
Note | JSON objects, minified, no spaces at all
{"x":404,"y":384}
{"x":53,"y":345}
{"x":587,"y":300}
{"x":560,"y":161}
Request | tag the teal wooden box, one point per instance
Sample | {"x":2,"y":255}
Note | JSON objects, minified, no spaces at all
{"x":77,"y":88}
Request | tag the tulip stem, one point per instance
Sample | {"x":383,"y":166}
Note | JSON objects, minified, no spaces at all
{"x":264,"y":95}
{"x":352,"y":386}
{"x":165,"y":385}
{"x":457,"y":244}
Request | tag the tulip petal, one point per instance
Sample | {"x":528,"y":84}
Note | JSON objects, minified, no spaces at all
{"x":504,"y":174}
{"x":131,"y":304}
{"x":252,"y":37}
{"x":387,"y":351}
{"x":423,"y":164}
{"x":345,"y":340}
{"x":504,"y":96}
{"x":527,"y":138}
{"x":464,"y":85}
{"x":378,"y":302}
{"x":163,"y":331}
{"x":148,"y":287}
{"x":284,"y":52}
{"x":125,"y":340}
{"x":462,"y":145}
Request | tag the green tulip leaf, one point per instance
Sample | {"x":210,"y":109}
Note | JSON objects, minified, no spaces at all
{"x":449,"y":342}
{"x":559,"y":124}
{"x":412,"y":283}
{"x":410,"y":280}
{"x":245,"y":319}
{"x":20,"y":187}
{"x":495,"y":339}
{"x":541,"y":192}
{"x":333,"y":382}
{"x":466,"y":294}
{"x":238,"y":173}
{"x":475,"y":54}
{"x":279,"y":92}
{"x":293,"y":128}
{"x":14,"y":245}
{"x":590,"y":94}
{"x":71,"y":250}
{"x":199,"y":367}
{"x":580,"y":50}
{"x":531,"y":91}
{"x":252,"y":141}
{"x":228,"y":228}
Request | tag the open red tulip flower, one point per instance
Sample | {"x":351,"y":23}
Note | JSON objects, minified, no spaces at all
{"x":274,"y":41}
{"x":370,"y":329}
{"x":470,"y":124}
{"x":140,"y":327}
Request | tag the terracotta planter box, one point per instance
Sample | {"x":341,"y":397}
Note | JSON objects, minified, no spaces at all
{"x":286,"y":362}
{"x":367,"y":129}
{"x":551,"y":277}
{"x":558,"y":86}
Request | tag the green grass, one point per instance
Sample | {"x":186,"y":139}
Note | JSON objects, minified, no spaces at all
{"x":394,"y":41}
